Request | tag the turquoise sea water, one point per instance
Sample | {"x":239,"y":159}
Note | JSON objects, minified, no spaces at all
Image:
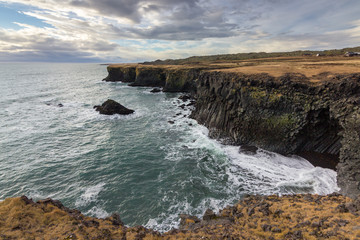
{"x":141,"y":166}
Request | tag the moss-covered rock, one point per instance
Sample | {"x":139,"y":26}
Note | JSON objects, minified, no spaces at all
{"x":150,"y":77}
{"x":172,"y":79}
{"x":181,"y":80}
{"x":287,"y":115}
{"x":120,"y":74}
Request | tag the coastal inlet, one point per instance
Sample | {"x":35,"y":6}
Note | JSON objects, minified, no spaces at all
{"x":148,"y":166}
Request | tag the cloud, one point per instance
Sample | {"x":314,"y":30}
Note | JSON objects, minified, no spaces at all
{"x":120,"y":8}
{"x":150,"y":19}
{"x":138,"y":30}
{"x":35,"y":44}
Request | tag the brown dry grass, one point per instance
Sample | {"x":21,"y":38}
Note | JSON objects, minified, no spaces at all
{"x":312,"y":67}
{"x":273,"y":217}
{"x":309,"y":217}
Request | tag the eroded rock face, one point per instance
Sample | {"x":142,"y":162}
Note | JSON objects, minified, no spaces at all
{"x":121,"y":74}
{"x":110,"y":107}
{"x":181,"y":80}
{"x":149,"y":77}
{"x":288,"y":116}
{"x":172,"y":80}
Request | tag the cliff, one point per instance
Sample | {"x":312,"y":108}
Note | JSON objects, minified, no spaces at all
{"x":288,"y":115}
{"x":271,"y":217}
{"x":310,"y":111}
{"x":284,"y":106}
{"x":171,"y":78}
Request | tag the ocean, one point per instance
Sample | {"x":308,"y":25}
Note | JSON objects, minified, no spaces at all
{"x":54,"y":144}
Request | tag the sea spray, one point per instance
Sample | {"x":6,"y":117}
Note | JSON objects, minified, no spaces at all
{"x":149,"y":166}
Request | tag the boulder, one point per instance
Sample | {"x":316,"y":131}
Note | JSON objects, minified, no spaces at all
{"x":208,"y":215}
{"x":248,"y":149}
{"x":111,"y":107}
{"x":184,"y":98}
{"x":155,"y":90}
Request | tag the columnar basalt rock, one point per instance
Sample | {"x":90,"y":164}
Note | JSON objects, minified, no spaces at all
{"x":121,"y":74}
{"x":287,"y":114}
{"x":150,"y":77}
{"x":181,"y":80}
{"x":171,"y":79}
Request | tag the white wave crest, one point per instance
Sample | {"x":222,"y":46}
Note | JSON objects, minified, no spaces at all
{"x":90,"y":195}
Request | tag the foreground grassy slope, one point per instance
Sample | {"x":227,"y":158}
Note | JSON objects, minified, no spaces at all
{"x":288,"y":217}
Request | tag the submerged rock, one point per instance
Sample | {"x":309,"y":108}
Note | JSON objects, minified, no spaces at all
{"x":184,"y":98}
{"x":111,"y":107}
{"x":247,"y":149}
{"x":155,"y":90}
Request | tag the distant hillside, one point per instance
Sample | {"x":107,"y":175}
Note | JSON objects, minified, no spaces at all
{"x":252,"y":55}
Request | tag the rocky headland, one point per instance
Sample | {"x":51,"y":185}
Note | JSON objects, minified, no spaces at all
{"x":295,"y":105}
{"x":304,"y":106}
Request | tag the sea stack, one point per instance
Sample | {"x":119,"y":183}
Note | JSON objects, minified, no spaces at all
{"x":110,"y":107}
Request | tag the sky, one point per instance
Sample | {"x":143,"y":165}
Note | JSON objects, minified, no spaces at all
{"x":144,"y":30}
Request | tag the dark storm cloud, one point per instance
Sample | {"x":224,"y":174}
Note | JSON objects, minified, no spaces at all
{"x":184,"y":31}
{"x":131,"y":8}
{"x":160,"y":28}
{"x":121,"y":8}
{"x":181,"y":19}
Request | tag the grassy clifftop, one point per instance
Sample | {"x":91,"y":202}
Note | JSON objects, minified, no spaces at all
{"x":315,"y":70}
{"x":252,"y":55}
{"x":272,"y":217}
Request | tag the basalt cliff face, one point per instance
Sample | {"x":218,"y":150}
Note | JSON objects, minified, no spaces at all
{"x":288,"y":114}
{"x":171,"y":79}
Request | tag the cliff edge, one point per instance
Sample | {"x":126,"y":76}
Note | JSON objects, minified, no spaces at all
{"x":306,"y":106}
{"x":255,"y":217}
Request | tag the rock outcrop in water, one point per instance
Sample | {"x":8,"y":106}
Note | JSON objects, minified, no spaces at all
{"x":111,"y":107}
{"x":155,"y":90}
{"x":290,"y":114}
{"x":268,"y":217}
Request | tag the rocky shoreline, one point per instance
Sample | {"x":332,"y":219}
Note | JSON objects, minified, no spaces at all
{"x":255,"y":217}
{"x":289,"y":114}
